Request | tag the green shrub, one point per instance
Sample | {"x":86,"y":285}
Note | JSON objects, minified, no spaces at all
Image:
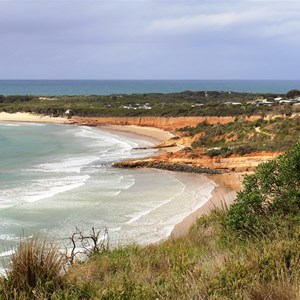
{"x":270,"y":197}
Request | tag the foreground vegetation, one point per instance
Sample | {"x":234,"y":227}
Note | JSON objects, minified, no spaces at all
{"x":248,"y":252}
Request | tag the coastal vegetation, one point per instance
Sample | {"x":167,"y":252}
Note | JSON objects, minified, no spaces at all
{"x":243,"y":137}
{"x":249,"y":251}
{"x":186,"y":103}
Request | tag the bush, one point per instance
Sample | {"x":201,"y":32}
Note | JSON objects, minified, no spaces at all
{"x":293,"y":94}
{"x":271,"y":196}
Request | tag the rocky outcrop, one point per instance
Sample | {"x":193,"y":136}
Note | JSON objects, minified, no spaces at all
{"x":202,"y":163}
{"x":165,"y":165}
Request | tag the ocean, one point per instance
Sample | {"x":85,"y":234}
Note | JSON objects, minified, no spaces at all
{"x":55,"y":178}
{"x":107,"y":87}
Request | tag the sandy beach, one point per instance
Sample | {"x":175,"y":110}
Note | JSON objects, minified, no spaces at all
{"x":27,"y":117}
{"x":157,"y":134}
{"x":152,"y":134}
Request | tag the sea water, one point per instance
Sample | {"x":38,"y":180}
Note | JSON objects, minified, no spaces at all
{"x":54,"y":178}
{"x":107,"y":87}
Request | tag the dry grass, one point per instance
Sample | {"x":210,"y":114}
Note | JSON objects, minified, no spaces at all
{"x":273,"y":292}
{"x":36,"y":268}
{"x":208,"y":263}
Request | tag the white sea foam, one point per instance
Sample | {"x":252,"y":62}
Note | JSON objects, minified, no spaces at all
{"x":152,"y":225}
{"x":114,"y":181}
{"x":87,"y":132}
{"x":67,"y":165}
{"x":106,"y":138}
{"x":8,"y":237}
{"x":139,"y":215}
{"x":7,"y":253}
{"x":9,"y":124}
{"x":40,"y":189}
{"x":50,"y":188}
{"x":33,"y":124}
{"x":2,"y":271}
{"x":18,"y":124}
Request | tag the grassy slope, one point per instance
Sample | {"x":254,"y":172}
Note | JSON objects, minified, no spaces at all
{"x":208,"y":263}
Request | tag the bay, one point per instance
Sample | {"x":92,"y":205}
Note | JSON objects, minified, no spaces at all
{"x":54,"y":178}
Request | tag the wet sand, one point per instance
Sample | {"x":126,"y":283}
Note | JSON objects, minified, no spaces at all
{"x":226,"y":187}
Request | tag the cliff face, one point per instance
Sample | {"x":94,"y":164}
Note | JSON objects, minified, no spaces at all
{"x":232,"y":163}
{"x":169,"y":124}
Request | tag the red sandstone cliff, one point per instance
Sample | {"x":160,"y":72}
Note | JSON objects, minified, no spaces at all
{"x":195,"y":158}
{"x":165,"y":123}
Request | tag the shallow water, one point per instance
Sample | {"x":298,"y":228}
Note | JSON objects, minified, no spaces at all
{"x":56,"y":177}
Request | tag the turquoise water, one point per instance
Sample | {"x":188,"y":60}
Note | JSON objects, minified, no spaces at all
{"x":107,"y":87}
{"x":56,"y":177}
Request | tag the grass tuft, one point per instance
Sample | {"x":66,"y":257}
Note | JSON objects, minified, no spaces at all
{"x":36,"y":268}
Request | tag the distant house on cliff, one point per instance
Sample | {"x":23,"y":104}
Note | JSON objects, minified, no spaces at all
{"x":69,"y":112}
{"x":233,"y":103}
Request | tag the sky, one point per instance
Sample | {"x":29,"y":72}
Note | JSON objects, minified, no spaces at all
{"x":149,"y":39}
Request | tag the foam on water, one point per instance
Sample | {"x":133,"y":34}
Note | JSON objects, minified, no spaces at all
{"x":159,"y":221}
{"x":138,"y":216}
{"x":68,"y":165}
{"x":7,"y":253}
{"x":9,"y":124}
{"x":50,"y":189}
{"x":18,"y":124}
{"x":40,"y":189}
{"x":103,"y":136}
{"x":8,"y":237}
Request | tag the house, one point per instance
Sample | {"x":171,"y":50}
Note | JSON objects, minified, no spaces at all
{"x":233,"y":103}
{"x":287,"y":101}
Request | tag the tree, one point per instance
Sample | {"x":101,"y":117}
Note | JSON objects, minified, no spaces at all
{"x":293,"y":94}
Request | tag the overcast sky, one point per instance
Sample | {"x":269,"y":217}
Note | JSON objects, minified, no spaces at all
{"x":149,"y":39}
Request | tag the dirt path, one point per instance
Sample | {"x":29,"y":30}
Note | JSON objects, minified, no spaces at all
{"x":257,"y":129}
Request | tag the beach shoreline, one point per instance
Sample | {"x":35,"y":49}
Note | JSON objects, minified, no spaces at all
{"x":226,"y":185}
{"x":32,"y":118}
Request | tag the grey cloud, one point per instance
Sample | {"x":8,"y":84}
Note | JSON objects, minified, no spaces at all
{"x":147,"y":39}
